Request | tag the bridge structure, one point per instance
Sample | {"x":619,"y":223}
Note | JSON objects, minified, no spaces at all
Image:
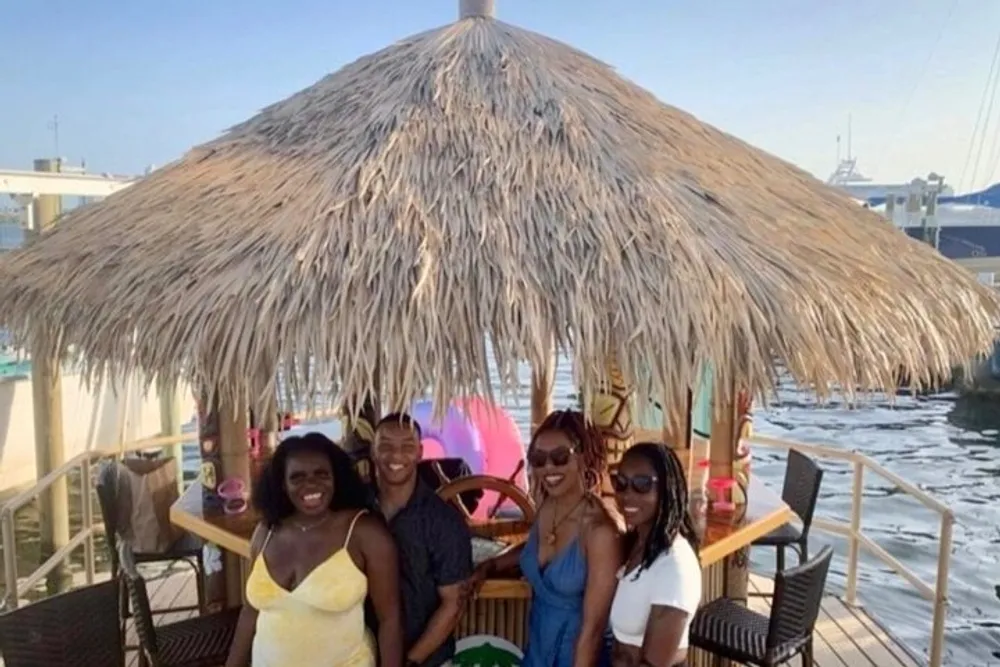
{"x":25,"y":186}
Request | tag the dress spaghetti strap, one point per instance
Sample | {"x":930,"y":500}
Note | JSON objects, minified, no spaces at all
{"x":350,"y":530}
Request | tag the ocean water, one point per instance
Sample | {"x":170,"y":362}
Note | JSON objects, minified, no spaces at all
{"x":948,"y":446}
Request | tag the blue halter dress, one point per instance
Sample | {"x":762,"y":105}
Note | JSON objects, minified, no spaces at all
{"x":556,"y":604}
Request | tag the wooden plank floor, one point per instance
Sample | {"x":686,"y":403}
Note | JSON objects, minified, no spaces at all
{"x":845,"y":637}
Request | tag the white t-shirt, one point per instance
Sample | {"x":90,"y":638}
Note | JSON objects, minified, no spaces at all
{"x":673,"y":580}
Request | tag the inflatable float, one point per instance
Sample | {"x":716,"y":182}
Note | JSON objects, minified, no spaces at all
{"x":482,"y":434}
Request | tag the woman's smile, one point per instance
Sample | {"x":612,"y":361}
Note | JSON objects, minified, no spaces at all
{"x":554,"y":479}
{"x":314,"y":500}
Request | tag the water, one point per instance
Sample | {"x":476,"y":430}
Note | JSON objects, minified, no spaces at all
{"x":948,"y":446}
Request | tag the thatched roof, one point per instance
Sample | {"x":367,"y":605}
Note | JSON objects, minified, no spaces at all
{"x":482,"y":182}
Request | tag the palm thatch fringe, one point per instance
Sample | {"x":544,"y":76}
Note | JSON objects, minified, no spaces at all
{"x":477,"y":186}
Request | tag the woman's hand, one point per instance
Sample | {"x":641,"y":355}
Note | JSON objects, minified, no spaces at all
{"x":483,"y":571}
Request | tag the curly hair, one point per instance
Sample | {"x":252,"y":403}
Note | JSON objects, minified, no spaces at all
{"x":270,"y":497}
{"x":673,"y":517}
{"x":587,"y":442}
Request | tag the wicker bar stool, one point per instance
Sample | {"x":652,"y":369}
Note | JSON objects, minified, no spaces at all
{"x":730,"y":630}
{"x":800,"y":491}
{"x":202,"y":641}
{"x":74,"y":629}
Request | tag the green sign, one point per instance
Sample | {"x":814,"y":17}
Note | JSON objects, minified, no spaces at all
{"x":486,"y":651}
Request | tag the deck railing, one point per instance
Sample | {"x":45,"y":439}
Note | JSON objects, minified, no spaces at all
{"x":937,"y":592}
{"x":83,"y":463}
{"x":14,"y":586}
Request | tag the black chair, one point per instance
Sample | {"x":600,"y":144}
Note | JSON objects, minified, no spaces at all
{"x":188,"y":549}
{"x":730,"y":630}
{"x":202,"y":641}
{"x":74,"y":629}
{"x":800,"y":491}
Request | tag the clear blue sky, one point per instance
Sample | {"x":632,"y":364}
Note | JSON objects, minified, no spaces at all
{"x":137,"y":83}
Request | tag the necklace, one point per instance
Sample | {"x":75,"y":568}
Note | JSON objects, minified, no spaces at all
{"x":550,"y":537}
{"x":309,"y":526}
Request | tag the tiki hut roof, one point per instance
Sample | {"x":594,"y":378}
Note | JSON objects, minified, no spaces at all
{"x":480,"y":185}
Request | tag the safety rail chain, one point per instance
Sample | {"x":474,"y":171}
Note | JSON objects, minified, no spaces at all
{"x":856,"y":538}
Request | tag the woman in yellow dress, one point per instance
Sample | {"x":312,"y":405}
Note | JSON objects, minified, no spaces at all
{"x":315,"y":557}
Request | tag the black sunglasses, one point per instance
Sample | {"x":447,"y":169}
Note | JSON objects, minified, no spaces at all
{"x":638,"y":483}
{"x":559,"y":457}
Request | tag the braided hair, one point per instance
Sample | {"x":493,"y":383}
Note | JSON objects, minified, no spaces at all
{"x":672,"y":515}
{"x":587,"y":443}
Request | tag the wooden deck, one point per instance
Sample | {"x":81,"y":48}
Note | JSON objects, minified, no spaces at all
{"x":845,"y":637}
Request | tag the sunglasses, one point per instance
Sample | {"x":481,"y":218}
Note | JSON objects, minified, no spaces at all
{"x":559,"y":457}
{"x":638,"y":483}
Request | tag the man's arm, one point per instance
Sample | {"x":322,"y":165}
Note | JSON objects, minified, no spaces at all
{"x":450,"y":549}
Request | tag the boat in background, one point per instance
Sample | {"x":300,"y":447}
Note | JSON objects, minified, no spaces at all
{"x":961,"y":227}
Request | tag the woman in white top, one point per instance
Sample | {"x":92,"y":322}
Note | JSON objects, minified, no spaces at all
{"x":659,"y":587}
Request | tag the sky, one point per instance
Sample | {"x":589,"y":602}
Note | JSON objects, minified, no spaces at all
{"x":135,"y":84}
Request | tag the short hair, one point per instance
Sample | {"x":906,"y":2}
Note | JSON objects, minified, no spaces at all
{"x":400,"y":419}
{"x":270,"y":497}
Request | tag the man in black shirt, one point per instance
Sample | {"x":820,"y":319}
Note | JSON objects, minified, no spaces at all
{"x":434,"y":542}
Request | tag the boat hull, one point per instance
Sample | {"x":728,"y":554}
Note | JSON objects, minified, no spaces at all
{"x":92,"y":419}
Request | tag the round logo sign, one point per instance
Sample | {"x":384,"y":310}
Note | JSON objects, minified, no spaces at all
{"x":486,"y":651}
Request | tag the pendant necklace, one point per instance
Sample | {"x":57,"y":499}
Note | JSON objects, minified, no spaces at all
{"x":309,"y":526}
{"x":550,"y":538}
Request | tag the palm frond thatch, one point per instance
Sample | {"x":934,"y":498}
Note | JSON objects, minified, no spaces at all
{"x":480,"y":182}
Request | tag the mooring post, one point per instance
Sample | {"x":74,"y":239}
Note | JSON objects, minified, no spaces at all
{"x":46,"y":388}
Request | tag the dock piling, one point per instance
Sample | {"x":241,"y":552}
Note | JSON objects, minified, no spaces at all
{"x":46,"y":383}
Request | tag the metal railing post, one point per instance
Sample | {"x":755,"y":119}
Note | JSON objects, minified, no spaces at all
{"x":9,"y":560}
{"x":853,"y":541}
{"x":87,"y":502}
{"x":941,"y":590}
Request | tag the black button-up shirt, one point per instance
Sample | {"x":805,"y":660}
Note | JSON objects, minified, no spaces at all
{"x":435,"y":550}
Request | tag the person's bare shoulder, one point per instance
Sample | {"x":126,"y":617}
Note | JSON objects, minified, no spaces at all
{"x":371,"y":526}
{"x":597,"y":514}
{"x":598,"y":524}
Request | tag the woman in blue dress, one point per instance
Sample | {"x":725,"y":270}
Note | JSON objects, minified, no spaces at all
{"x":573,"y":552}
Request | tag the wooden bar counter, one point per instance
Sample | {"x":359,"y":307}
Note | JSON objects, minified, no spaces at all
{"x":500,"y":609}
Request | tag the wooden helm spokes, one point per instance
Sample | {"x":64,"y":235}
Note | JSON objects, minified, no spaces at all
{"x":451,"y":491}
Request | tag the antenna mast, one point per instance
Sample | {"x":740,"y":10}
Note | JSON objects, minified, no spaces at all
{"x":54,"y":126}
{"x":848,"y":136}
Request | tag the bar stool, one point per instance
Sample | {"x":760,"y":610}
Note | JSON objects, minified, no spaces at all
{"x":800,"y":491}
{"x":202,"y":641}
{"x":730,"y":630}
{"x":67,"y":630}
